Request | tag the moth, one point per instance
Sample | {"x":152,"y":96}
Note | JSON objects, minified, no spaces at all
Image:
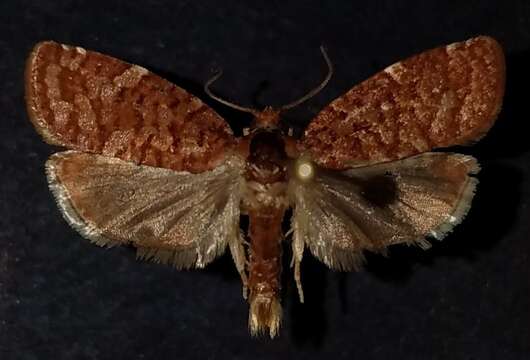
{"x":151,"y":165}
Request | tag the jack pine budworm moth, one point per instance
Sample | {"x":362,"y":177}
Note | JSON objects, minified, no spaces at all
{"x":151,"y":165}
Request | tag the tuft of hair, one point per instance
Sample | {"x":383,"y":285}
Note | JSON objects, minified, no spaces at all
{"x":264,"y":315}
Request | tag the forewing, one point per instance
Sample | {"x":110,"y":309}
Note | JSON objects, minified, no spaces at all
{"x":339,"y":214}
{"x":174,"y":217}
{"x":443,"y":97}
{"x":91,"y":102}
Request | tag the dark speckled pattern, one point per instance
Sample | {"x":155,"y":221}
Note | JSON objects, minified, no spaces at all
{"x":63,"y":298}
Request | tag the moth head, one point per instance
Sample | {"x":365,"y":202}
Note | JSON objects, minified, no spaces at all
{"x":268,"y":118}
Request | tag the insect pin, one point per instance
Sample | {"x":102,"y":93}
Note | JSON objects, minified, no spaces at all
{"x":151,"y":165}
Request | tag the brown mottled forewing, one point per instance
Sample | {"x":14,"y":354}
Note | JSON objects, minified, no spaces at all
{"x":90,"y":102}
{"x":443,"y":97}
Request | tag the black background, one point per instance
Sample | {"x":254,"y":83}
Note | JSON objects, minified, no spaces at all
{"x":466,"y":298}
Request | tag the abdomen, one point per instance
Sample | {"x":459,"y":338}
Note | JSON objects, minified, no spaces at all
{"x":265,"y":230}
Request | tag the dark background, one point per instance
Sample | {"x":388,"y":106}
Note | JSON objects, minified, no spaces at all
{"x":466,"y":298}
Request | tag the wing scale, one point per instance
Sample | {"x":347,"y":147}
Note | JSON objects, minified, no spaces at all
{"x":174,"y":217}
{"x":443,"y":97}
{"x":91,"y":102}
{"x":338,"y":215}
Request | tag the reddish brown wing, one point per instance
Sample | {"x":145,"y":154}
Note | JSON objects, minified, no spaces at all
{"x":443,"y":97}
{"x":90,"y":102}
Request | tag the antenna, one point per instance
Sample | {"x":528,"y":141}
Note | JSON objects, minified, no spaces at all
{"x":223,"y":101}
{"x":316,"y":90}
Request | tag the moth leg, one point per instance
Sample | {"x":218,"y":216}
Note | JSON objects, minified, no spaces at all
{"x":298,"y":280}
{"x":298,"y":251}
{"x":238,"y":255}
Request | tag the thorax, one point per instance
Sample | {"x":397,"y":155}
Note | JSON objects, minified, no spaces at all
{"x":266,"y":171}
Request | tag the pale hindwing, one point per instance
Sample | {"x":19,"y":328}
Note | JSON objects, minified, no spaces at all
{"x":338,"y":214}
{"x":172,"y":217}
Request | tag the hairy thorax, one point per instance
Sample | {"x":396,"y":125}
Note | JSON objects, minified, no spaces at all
{"x":266,"y":173}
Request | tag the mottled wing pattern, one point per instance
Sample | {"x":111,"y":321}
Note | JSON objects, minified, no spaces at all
{"x":443,"y":97}
{"x":339,"y":214}
{"x":173,"y":217}
{"x":91,"y":102}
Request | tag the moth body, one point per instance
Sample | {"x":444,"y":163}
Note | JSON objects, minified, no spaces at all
{"x":265,"y":202}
